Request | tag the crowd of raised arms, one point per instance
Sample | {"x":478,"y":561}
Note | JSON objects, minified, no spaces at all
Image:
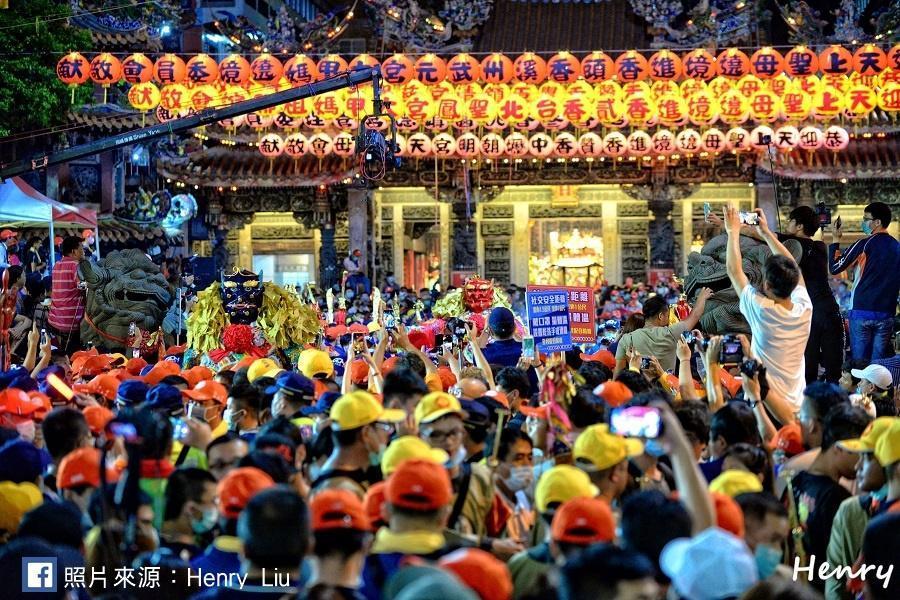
{"x":406,"y":456}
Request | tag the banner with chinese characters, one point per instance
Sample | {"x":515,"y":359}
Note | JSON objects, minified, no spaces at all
{"x":582,"y":312}
{"x":548,"y":319}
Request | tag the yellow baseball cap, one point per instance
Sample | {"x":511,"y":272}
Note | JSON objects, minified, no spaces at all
{"x":435,"y":405}
{"x":263,"y":367}
{"x":869,"y":438}
{"x":562,"y":483}
{"x":734,"y":482}
{"x":356,"y":409}
{"x":16,"y":499}
{"x":406,"y":448}
{"x":887,"y":449}
{"x":604,"y":449}
{"x":314,"y":362}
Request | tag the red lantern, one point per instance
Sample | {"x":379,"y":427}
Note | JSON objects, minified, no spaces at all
{"x":530,"y":68}
{"x":665,"y":65}
{"x":363,"y":61}
{"x":266,"y":69}
{"x":801,"y":62}
{"x":234,"y":70}
{"x":631,"y":66}
{"x":893,"y":57}
{"x":300,"y":70}
{"x":463,"y":68}
{"x":732,"y":63}
{"x":202,"y":69}
{"x":563,"y":68}
{"x":835,"y":60}
{"x":699,"y":64}
{"x":398,"y":69}
{"x":271,"y":145}
{"x":430,"y":69}
{"x":168,"y":68}
{"x":329,"y":66}
{"x":137,"y":68}
{"x":766,"y":63}
{"x":106,"y":69}
{"x":869,"y":59}
{"x":597,"y":66}
{"x":496,"y":68}
{"x":72,"y":69}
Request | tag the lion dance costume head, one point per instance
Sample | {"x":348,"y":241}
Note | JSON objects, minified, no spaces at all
{"x":476,"y":296}
{"x":243,"y":316}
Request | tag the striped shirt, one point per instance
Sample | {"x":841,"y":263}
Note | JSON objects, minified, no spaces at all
{"x":66,"y":301}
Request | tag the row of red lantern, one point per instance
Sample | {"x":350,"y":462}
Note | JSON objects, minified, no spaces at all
{"x":615,"y":144}
{"x":562,"y":67}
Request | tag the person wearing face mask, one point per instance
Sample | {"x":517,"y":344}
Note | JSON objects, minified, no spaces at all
{"x":513,"y":475}
{"x":242,"y":411}
{"x":190,"y":512}
{"x":876,"y":383}
{"x":604,"y":457}
{"x":765,"y":531}
{"x":293,"y":392}
{"x":361,"y":428}
{"x":875,"y":261}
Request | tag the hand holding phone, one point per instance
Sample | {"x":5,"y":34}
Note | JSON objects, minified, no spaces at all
{"x":636,"y":421}
{"x":528,"y":350}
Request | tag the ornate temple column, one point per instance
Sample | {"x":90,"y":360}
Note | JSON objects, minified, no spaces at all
{"x":446,"y":244}
{"x":521,"y":245}
{"x":330,"y":268}
{"x":661,"y":231}
{"x":358,"y":217}
{"x":612,"y":261}
{"x":245,"y":247}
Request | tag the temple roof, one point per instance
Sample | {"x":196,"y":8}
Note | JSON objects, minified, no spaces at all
{"x":865,"y":158}
{"x":550,"y":27}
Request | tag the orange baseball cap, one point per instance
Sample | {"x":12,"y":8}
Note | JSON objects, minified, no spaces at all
{"x":104,"y":385}
{"x":538,"y":412}
{"x":237,"y":488}
{"x":499,"y":397}
{"x":583,"y":521}
{"x":208,"y":390}
{"x":135,"y":365}
{"x":82,"y":467}
{"x":44,"y":400}
{"x":90,"y":366}
{"x":14,"y":401}
{"x":728,"y":513}
{"x":614,"y":393}
{"x":389,"y":365}
{"x":195,"y":375}
{"x":160,"y":371}
{"x":359,"y":371}
{"x":603,"y":356}
{"x":486,"y":575}
{"x":338,"y":509}
{"x":373,"y":502}
{"x":97,"y":418}
{"x":788,"y":439}
{"x":419,"y":485}
{"x":8,"y":233}
{"x":244,"y":362}
{"x":448,"y":379}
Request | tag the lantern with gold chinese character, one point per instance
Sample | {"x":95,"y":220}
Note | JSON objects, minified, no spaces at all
{"x":608,"y":109}
{"x":810,"y":138}
{"x":699,"y":64}
{"x":765,"y":106}
{"x":713,"y":141}
{"x":597,"y":66}
{"x":266,"y":69}
{"x":665,"y":65}
{"x":631,"y":66}
{"x":331,"y":65}
{"x":835,"y":60}
{"x":664,"y":87}
{"x":835,"y":138}
{"x":449,"y":108}
{"x":732,"y":63}
{"x":869,"y":59}
{"x":271,"y":145}
{"x":786,"y":138}
{"x":299,"y":70}
{"x":590,"y":144}
{"x":468,"y":145}
{"x":144,"y":96}
{"x":496,"y":68}
{"x":780,"y":84}
{"x":639,"y":143}
{"x":495,"y":91}
{"x":801,"y":62}
{"x":492,"y":145}
{"x":738,"y":139}
{"x":615,"y":144}
{"x":430,"y":69}
{"x":168,"y":68}
{"x":530,"y":68}
{"x":688,"y":141}
{"x":761,"y":137}
{"x":562,"y":67}
{"x":443,"y":145}
{"x":766,"y":63}
{"x":295,"y":145}
{"x":463,"y":68}
{"x":137,"y":68}
{"x":201,"y":69}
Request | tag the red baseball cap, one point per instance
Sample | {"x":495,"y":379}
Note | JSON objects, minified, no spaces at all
{"x":601,"y":356}
{"x":486,"y":575}
{"x":338,"y":509}
{"x":373,"y":502}
{"x":135,"y":365}
{"x":448,"y":379}
{"x":237,"y":488}
{"x":359,"y":371}
{"x":788,"y":439}
{"x":14,"y":401}
{"x":388,"y":365}
{"x":728,"y":514}
{"x":82,"y":467}
{"x":105,"y":385}
{"x":614,"y":393}
{"x":583,"y":521}
{"x":7,"y":234}
{"x":97,"y":418}
{"x":419,"y":485}
{"x":208,"y":390}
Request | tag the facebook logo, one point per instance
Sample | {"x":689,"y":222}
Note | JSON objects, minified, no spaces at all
{"x":39,"y":574}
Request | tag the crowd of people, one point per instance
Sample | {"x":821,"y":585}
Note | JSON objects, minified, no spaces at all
{"x":659,"y":462}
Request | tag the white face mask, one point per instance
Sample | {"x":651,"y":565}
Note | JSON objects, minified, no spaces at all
{"x":26,"y":430}
{"x":458,"y":458}
{"x":520,"y":478}
{"x":232,"y":418}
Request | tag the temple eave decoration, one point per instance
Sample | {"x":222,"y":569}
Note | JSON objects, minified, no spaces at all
{"x":872,"y":157}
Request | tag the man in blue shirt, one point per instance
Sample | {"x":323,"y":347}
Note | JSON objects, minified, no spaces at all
{"x":876,"y":263}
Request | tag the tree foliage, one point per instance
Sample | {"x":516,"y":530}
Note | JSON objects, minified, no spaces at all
{"x":31,"y":96}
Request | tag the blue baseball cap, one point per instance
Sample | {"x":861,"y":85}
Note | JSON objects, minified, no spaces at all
{"x":7,"y":377}
{"x":20,"y":461}
{"x":165,"y":398}
{"x":322,"y":406}
{"x":132,"y":392}
{"x":294,"y":384}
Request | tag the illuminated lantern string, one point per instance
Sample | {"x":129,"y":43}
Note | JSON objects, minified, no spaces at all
{"x":106,"y":69}
{"x":496,"y":68}
{"x":590,"y":144}
{"x":463,"y":68}
{"x":73,"y":70}
{"x":299,"y":70}
{"x":362,"y":61}
{"x":835,"y":60}
{"x":144,"y":96}
{"x":168,"y":68}
{"x":869,"y":59}
{"x":835,"y":138}
{"x":398,"y":69}
{"x":631,"y":66}
{"x":493,"y":145}
{"x":530,"y":68}
{"x":266,"y":69}
{"x":688,"y":141}
{"x":766,"y":63}
{"x":786,"y":138}
{"x":738,"y":139}
{"x":801,"y":62}
{"x":639,"y":143}
{"x":137,"y":68}
{"x":201,"y":69}
{"x":563,"y":68}
{"x":713,"y":141}
{"x":663,"y":142}
{"x":443,"y":145}
{"x":615,"y":144}
{"x":320,"y":144}
{"x":565,"y":145}
{"x":761,"y":137}
{"x":343,"y":145}
{"x":430,"y":69}
{"x":699,"y":64}
{"x":331,"y":65}
{"x":271,"y":145}
{"x":665,"y":65}
{"x":468,"y":145}
{"x":540,"y":145}
{"x":295,"y":145}
{"x":732,"y":63}
{"x":418,"y":145}
{"x":597,"y":66}
{"x":810,"y":138}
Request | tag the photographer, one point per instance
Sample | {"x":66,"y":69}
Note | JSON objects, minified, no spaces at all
{"x":779,"y":315}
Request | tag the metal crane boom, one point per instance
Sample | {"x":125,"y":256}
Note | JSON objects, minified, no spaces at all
{"x":204,"y":117}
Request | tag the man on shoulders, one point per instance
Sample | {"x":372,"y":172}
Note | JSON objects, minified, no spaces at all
{"x":779,"y":315}
{"x":876,"y":261}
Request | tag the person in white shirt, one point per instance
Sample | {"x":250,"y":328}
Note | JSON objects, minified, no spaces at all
{"x":779,"y":315}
